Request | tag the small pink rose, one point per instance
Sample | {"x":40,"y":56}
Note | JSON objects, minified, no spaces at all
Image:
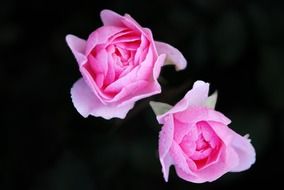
{"x":120,"y":63}
{"x":197,"y":141}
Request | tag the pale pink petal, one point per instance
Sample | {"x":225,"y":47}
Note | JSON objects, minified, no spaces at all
{"x":101,"y":36}
{"x":182,"y":129}
{"x":149,"y":90}
{"x":228,"y":159}
{"x":222,"y":131}
{"x":130,"y":23}
{"x":245,"y":151}
{"x":241,"y":145}
{"x":195,"y":97}
{"x":157,"y":67}
{"x":140,"y":54}
{"x":111,"y":18}
{"x":86,"y":103}
{"x":196,"y":114}
{"x":146,"y":89}
{"x":179,"y":157}
{"x":129,"y":83}
{"x":83,"y":98}
{"x":166,"y":137}
{"x":87,"y":72}
{"x":166,"y":162}
{"x":174,"y":56}
{"x":133,"y":21}
{"x":77,"y":47}
{"x":189,"y":176}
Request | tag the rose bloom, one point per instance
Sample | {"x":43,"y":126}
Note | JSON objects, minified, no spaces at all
{"x":196,"y":139}
{"x":120,"y":63}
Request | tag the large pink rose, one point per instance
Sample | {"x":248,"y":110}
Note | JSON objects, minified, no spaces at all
{"x":120,"y":63}
{"x":196,"y":139}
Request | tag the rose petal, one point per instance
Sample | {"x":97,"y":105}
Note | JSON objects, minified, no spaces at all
{"x":83,"y":98}
{"x":110,"y":18}
{"x":195,"y":97}
{"x":151,"y":88}
{"x":77,"y":47}
{"x":101,"y":36}
{"x":137,"y":91}
{"x":174,"y":56}
{"x":157,"y":67}
{"x":196,"y":114}
{"x":166,"y":137}
{"x":182,"y":129}
{"x":86,"y":103}
{"x":166,"y":163}
{"x":241,"y":145}
{"x":188,"y":176}
{"x":228,"y":159}
{"x":245,"y":151}
{"x":179,"y":157}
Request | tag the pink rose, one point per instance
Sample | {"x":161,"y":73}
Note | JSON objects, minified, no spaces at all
{"x":120,"y":63}
{"x":197,"y":141}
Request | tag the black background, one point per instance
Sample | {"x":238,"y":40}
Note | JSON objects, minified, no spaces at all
{"x":237,"y":46}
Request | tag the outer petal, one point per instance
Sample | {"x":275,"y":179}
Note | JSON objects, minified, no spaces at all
{"x":101,"y":35}
{"x":195,"y":97}
{"x":165,"y":141}
{"x":166,"y":163}
{"x":77,"y":47}
{"x":86,"y":103}
{"x":222,"y":165}
{"x":180,"y":159}
{"x":195,"y":114}
{"x":188,"y":177}
{"x":245,"y":151}
{"x":174,"y":56}
{"x":166,"y":137}
{"x":157,"y":67}
{"x":110,"y":18}
{"x":239,"y":144}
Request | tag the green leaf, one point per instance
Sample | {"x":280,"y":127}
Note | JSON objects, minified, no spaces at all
{"x":160,"y":108}
{"x":211,"y":100}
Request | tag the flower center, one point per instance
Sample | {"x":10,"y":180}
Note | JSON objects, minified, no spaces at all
{"x":201,"y":144}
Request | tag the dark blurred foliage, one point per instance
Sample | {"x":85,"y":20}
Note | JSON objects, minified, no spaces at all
{"x":235,"y":45}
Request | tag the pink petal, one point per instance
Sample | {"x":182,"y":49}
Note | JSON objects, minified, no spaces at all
{"x":86,"y":103}
{"x":165,"y":142}
{"x":166,"y":162}
{"x":130,"y":23}
{"x":140,"y":54}
{"x":166,"y":137}
{"x":173,"y":55}
{"x":196,"y":114}
{"x":77,"y":47}
{"x":139,"y":90}
{"x":182,"y":129}
{"x":195,"y":97}
{"x":222,"y":131}
{"x":245,"y":151}
{"x":180,"y":159}
{"x":222,"y":165}
{"x":157,"y":67}
{"x":83,"y":98}
{"x":188,"y":176}
{"x":101,"y":36}
{"x":239,"y":144}
{"x":111,"y":18}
